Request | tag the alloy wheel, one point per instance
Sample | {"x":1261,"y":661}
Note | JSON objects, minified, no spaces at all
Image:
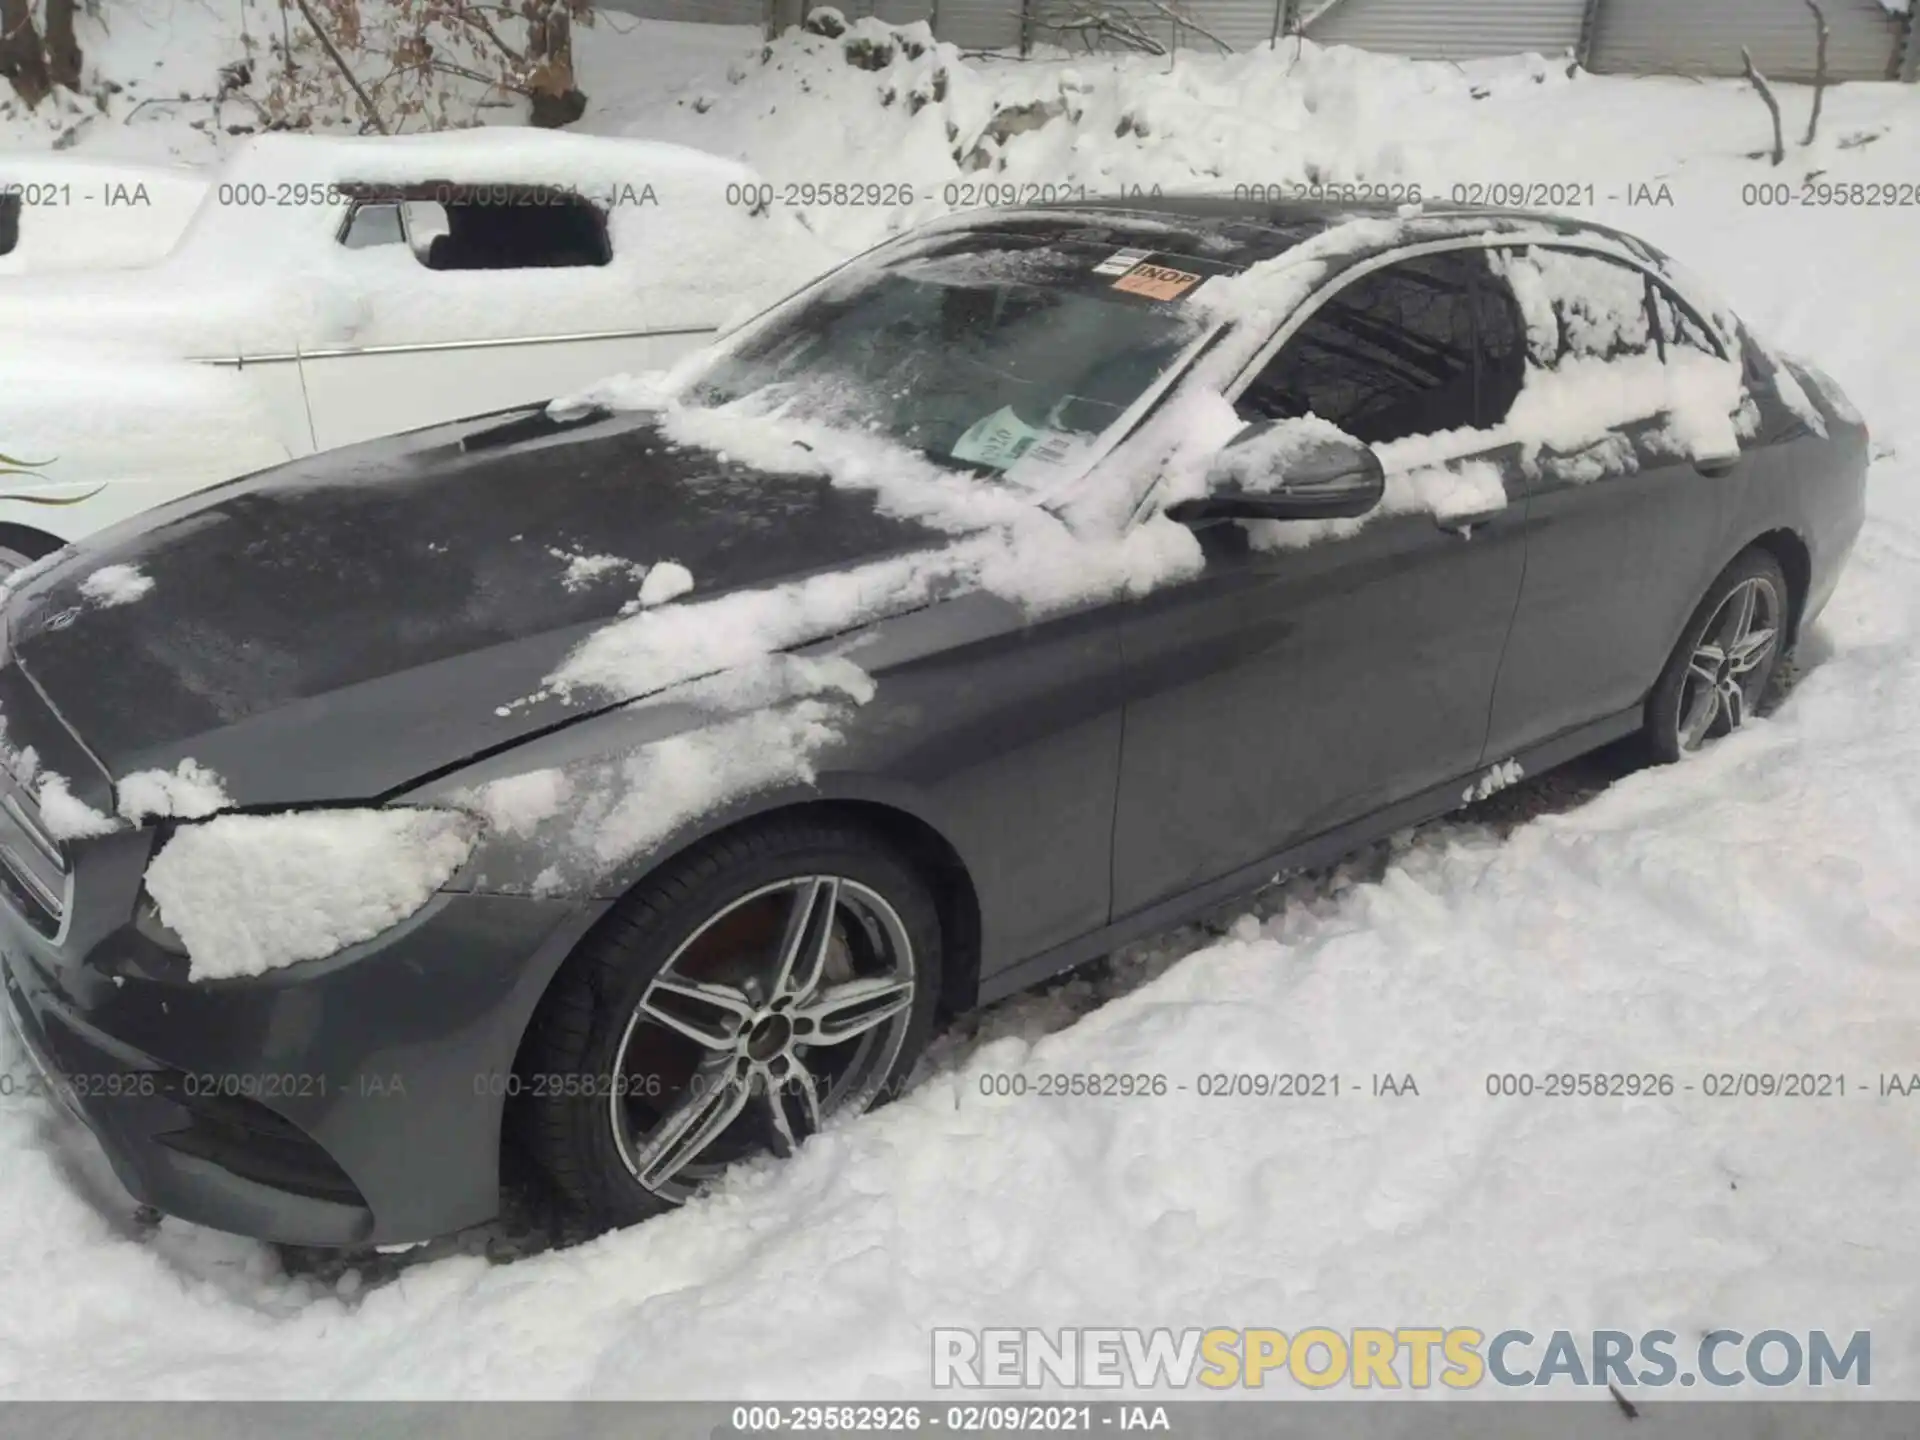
{"x":783,"y":1011}
{"x":1728,"y":668}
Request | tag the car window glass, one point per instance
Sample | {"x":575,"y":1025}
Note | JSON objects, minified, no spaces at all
{"x":511,"y":233}
{"x":1388,"y":356}
{"x":424,"y":221}
{"x":369,"y":225}
{"x":480,"y":227}
{"x":1577,"y":304}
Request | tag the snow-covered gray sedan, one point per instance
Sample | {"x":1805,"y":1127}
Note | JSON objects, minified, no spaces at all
{"x":633,"y":782}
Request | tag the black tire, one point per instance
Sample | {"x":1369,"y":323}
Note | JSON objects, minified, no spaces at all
{"x":565,"y":1116}
{"x":1675,"y":696}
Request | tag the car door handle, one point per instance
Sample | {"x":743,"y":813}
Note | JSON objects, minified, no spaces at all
{"x":1465,"y":525}
{"x":1711,"y":465}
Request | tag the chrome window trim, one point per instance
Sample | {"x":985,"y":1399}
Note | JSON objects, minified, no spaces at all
{"x":427,"y":346}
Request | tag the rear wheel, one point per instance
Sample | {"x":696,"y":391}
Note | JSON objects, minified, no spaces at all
{"x":1719,"y":672}
{"x":766,"y":984}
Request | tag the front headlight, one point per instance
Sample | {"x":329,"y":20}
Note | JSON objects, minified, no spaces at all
{"x":245,"y":894}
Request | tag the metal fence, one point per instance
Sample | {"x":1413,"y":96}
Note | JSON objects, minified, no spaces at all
{"x":1869,"y":39}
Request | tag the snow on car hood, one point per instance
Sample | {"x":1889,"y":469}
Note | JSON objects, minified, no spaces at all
{"x":340,"y":626}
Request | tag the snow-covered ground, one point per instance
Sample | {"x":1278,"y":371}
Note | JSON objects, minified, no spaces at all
{"x":1754,"y":909}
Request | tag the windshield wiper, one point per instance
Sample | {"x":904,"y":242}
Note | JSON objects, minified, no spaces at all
{"x":536,"y":426}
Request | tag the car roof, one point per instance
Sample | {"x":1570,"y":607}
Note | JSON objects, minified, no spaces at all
{"x":1239,"y":232}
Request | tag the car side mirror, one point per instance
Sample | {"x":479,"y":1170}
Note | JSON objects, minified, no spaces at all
{"x":1287,"y":470}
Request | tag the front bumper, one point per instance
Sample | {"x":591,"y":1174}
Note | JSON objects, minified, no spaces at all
{"x":346,"y":1101}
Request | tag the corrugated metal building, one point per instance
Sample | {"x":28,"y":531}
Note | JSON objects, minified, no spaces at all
{"x":1446,"y":30}
{"x":1689,"y":37}
{"x":1703,"y":37}
{"x":714,"y":12}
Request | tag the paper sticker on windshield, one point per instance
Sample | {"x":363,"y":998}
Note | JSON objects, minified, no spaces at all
{"x":1120,"y":262}
{"x":1157,"y":282}
{"x":996,"y":440}
{"x":1056,"y":449}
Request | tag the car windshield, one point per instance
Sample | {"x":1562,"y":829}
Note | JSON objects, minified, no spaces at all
{"x":989,"y":351}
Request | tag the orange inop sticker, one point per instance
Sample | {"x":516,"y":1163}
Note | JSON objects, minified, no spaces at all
{"x":1157,"y":282}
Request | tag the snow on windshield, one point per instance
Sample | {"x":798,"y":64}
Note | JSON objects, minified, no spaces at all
{"x":976,"y":356}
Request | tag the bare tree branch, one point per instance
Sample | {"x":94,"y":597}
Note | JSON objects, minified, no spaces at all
{"x":1092,"y":24}
{"x":1819,"y":70}
{"x":346,"y":71}
{"x":1094,"y":20}
{"x":475,"y":16}
{"x":1182,"y":21}
{"x":1760,"y":84}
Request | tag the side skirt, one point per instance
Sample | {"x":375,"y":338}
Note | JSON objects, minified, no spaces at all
{"x":1311,"y":854}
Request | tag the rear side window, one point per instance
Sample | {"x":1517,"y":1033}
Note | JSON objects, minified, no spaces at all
{"x":1679,"y":326}
{"x":1388,"y":356}
{"x":9,"y":222}
{"x":1578,"y":305}
{"x":480,"y":227}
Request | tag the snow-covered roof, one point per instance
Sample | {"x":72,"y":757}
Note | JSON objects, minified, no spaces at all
{"x":502,"y":154}
{"x":260,"y":265}
{"x":79,"y":214}
{"x":1244,"y":232}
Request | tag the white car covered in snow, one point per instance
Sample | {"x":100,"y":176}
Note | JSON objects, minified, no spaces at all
{"x":328,"y":291}
{"x":60,"y":212}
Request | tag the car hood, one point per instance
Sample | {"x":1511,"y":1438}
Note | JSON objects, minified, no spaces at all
{"x":334,"y":629}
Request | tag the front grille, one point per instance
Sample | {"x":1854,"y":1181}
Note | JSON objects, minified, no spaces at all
{"x":34,"y":871}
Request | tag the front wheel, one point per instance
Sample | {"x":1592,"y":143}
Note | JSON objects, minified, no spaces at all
{"x":767,"y":984}
{"x":1719,"y":672}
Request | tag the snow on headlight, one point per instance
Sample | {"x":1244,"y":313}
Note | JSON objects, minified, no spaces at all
{"x":252,"y":893}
